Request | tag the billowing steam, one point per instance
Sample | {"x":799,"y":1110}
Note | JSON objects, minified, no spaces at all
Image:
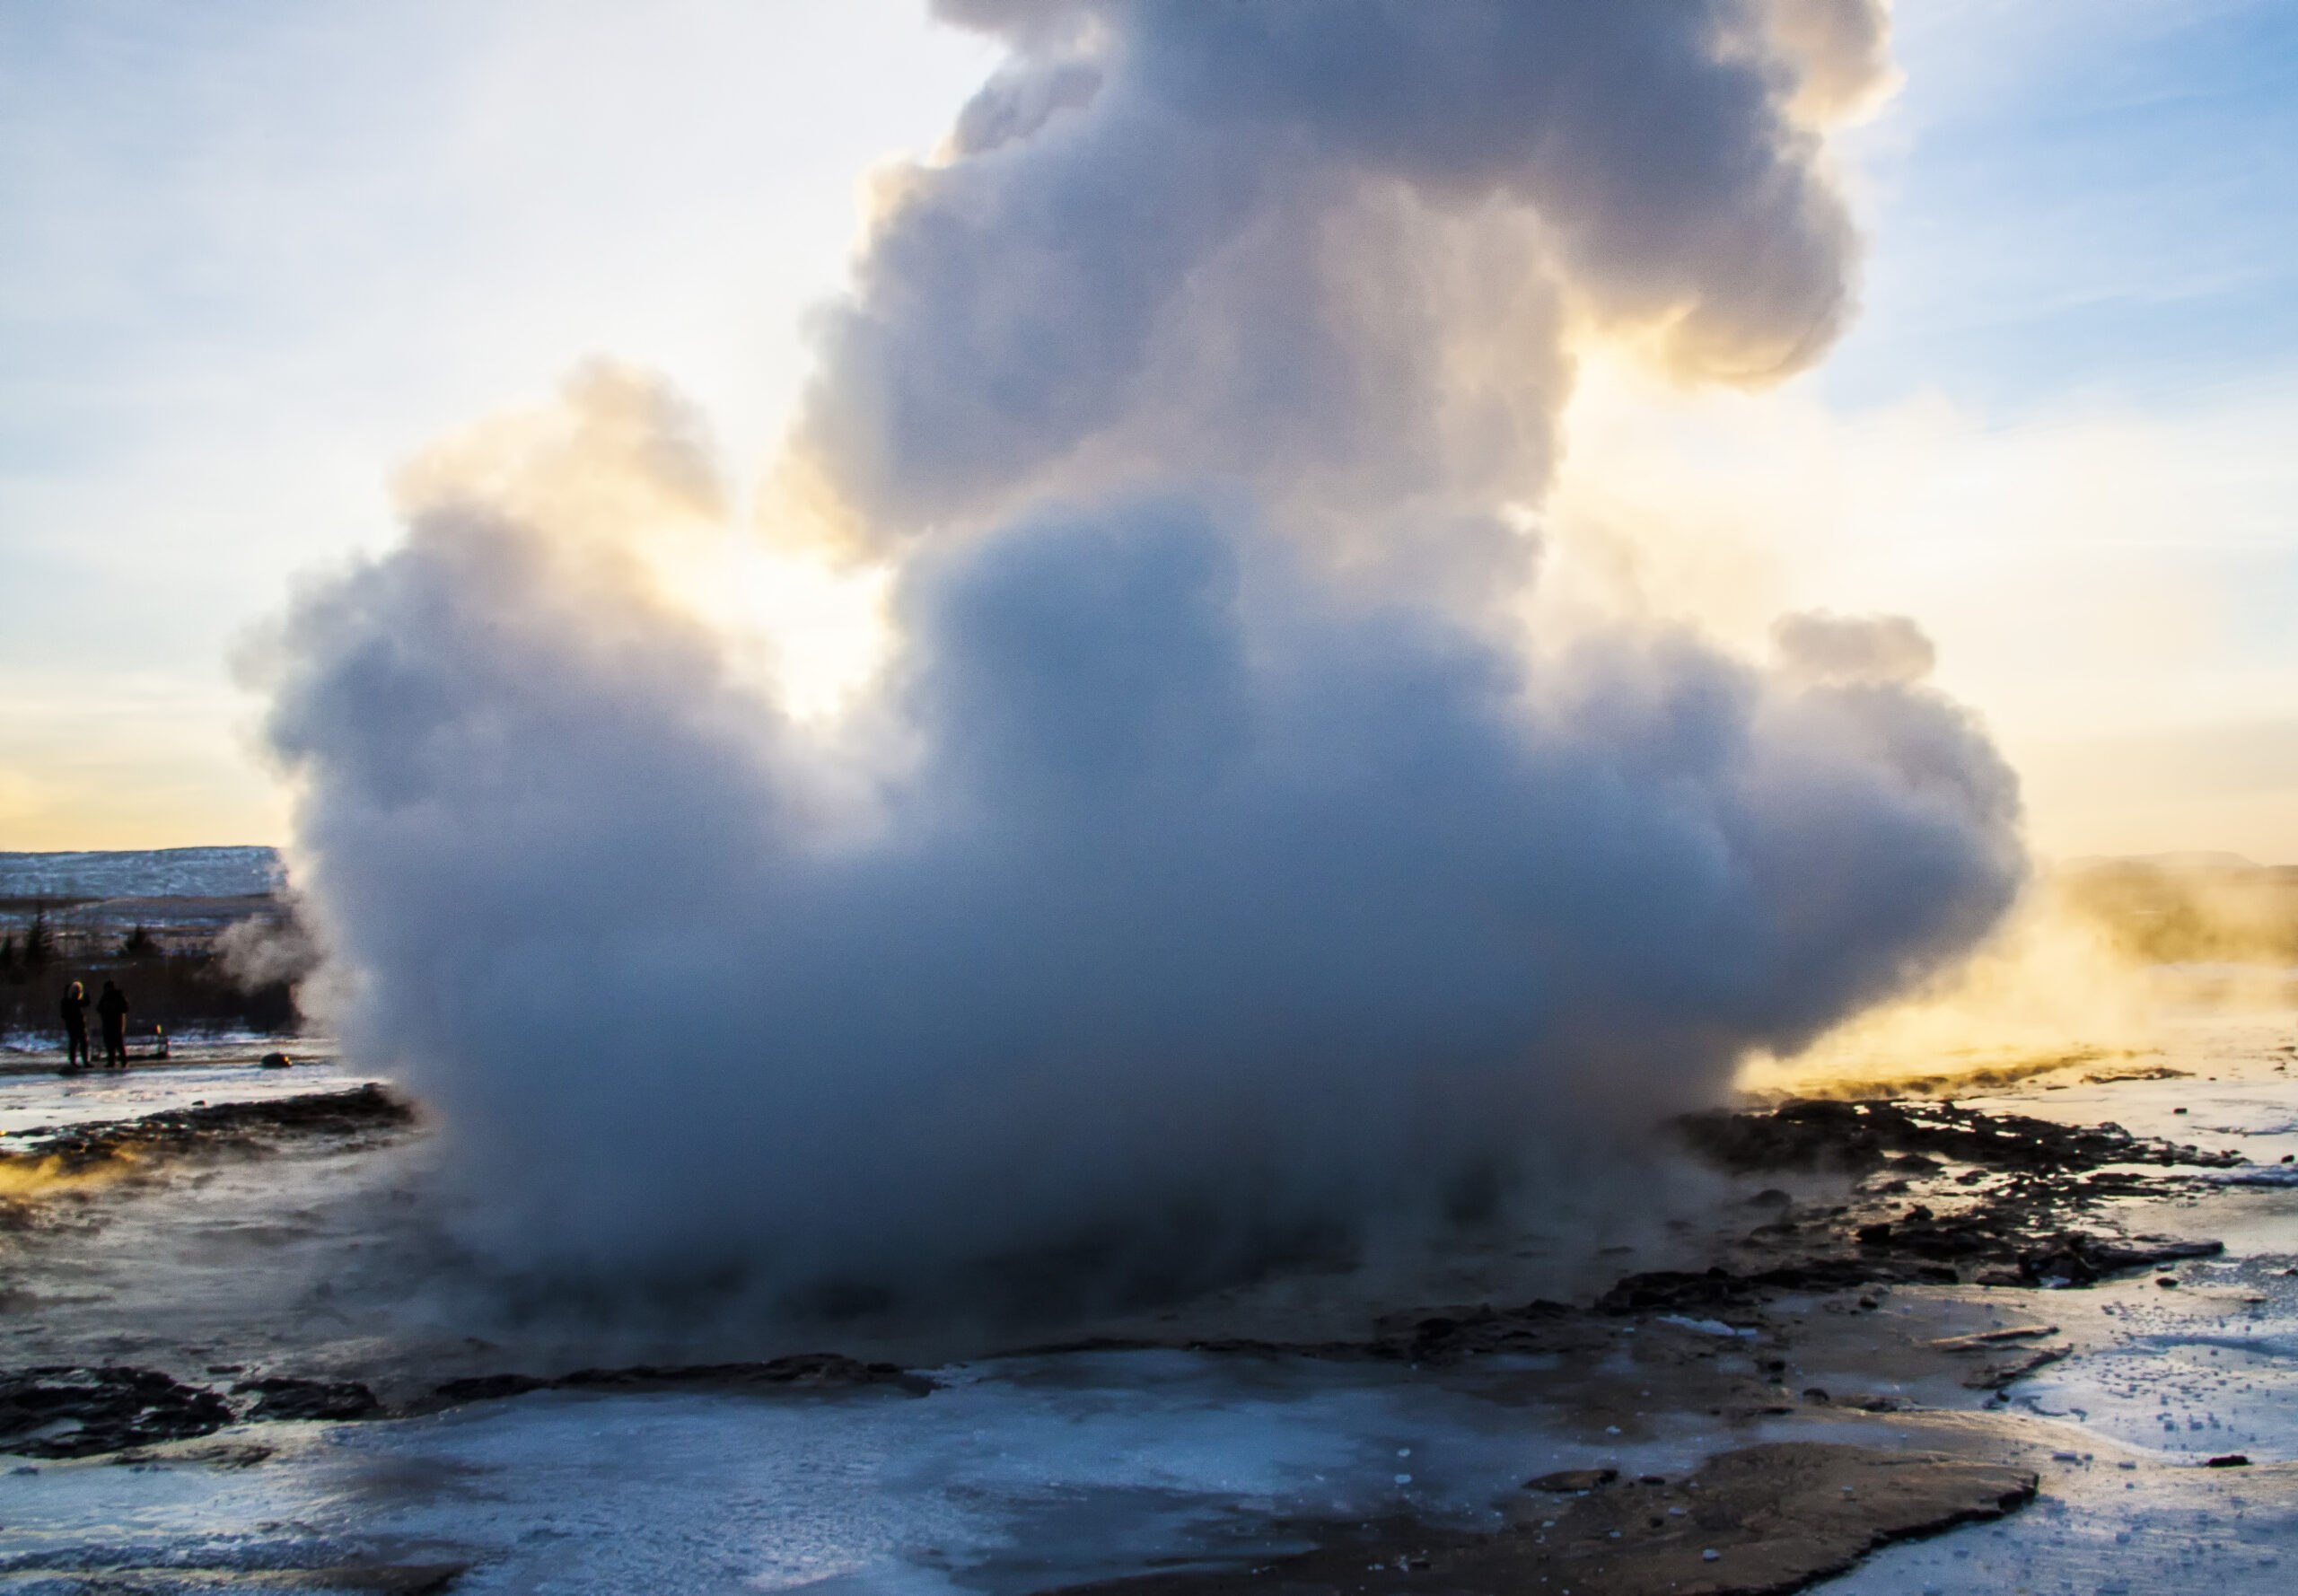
{"x":1213,"y":864}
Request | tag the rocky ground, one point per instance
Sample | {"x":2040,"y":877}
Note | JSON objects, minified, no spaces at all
{"x":1889,"y":1324}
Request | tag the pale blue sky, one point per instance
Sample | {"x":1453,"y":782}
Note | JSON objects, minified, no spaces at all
{"x":258,"y":251}
{"x":2082,"y":195}
{"x":2087,"y":209}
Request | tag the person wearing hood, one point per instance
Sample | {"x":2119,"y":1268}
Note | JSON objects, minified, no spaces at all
{"x":112,"y":1007}
{"x":75,"y":1028}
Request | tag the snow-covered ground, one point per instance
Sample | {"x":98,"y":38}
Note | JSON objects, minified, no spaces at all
{"x":150,"y":873}
{"x":204,"y":1070}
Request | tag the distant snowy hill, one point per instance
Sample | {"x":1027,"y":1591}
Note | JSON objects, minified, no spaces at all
{"x":152,"y":872}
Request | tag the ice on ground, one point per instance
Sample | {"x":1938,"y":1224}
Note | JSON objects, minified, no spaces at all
{"x":1712,"y":1327}
{"x":2201,"y":1370}
{"x":1016,"y":1475}
{"x":2100,"y":1529}
{"x":30,"y":1102}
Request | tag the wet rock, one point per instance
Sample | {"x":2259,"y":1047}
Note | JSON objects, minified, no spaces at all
{"x":489,"y":1388}
{"x":282,"y":1398}
{"x":1571,"y":1481}
{"x":2076,"y":1258}
{"x":1674,"y":1291}
{"x":1772,"y":1518}
{"x":813,"y":1369}
{"x":1998,"y":1377}
{"x":810,"y":1370}
{"x":2037,"y":1175}
{"x":1442,"y":1336}
{"x":1984,"y":1339}
{"x":80,"y":1149}
{"x":1456,"y":1334}
{"x":58,"y":1411}
{"x":1856,"y":1137}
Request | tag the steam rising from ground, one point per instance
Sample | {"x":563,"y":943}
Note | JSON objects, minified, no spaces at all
{"x":1213,"y":865}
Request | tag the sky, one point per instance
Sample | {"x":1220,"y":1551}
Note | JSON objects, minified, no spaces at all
{"x":260,"y":254}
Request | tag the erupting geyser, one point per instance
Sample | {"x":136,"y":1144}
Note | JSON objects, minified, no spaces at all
{"x":1215,"y":860}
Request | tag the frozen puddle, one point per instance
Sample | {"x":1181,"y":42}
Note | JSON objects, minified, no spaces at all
{"x":2098,"y":1530}
{"x":1015,"y":1476}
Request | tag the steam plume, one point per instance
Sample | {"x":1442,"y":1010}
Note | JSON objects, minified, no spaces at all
{"x":1213,"y":864}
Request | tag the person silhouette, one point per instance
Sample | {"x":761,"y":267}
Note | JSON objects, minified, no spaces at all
{"x":75,"y":1028}
{"x":113,"y":1008}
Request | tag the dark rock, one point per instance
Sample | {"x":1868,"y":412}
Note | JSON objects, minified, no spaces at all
{"x":1676,"y":1291}
{"x":2232,"y":1460}
{"x":242,"y":1126}
{"x":281,"y":1398}
{"x":1857,"y":1138}
{"x":807,"y":1369}
{"x":1982,"y":1341}
{"x":58,"y":1411}
{"x":1565,"y":1481}
{"x":488,"y":1387}
{"x":1998,"y":1377}
{"x":2076,"y":1258}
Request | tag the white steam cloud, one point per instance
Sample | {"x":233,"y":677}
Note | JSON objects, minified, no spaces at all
{"x":1214,"y":867}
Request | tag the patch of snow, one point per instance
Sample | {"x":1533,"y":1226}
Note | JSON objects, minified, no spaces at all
{"x":146,"y":873}
{"x":1712,"y":1327}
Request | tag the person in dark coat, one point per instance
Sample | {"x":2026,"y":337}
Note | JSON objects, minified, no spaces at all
{"x":112,"y":1007}
{"x":75,"y":1028}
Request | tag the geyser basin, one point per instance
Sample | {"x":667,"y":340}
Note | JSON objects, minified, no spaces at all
{"x":1028,"y":1473}
{"x":1015,"y":1476}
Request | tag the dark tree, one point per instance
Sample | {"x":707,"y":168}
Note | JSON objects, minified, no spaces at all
{"x":39,"y":938}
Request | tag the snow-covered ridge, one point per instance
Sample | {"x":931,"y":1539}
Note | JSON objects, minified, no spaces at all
{"x":146,"y":873}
